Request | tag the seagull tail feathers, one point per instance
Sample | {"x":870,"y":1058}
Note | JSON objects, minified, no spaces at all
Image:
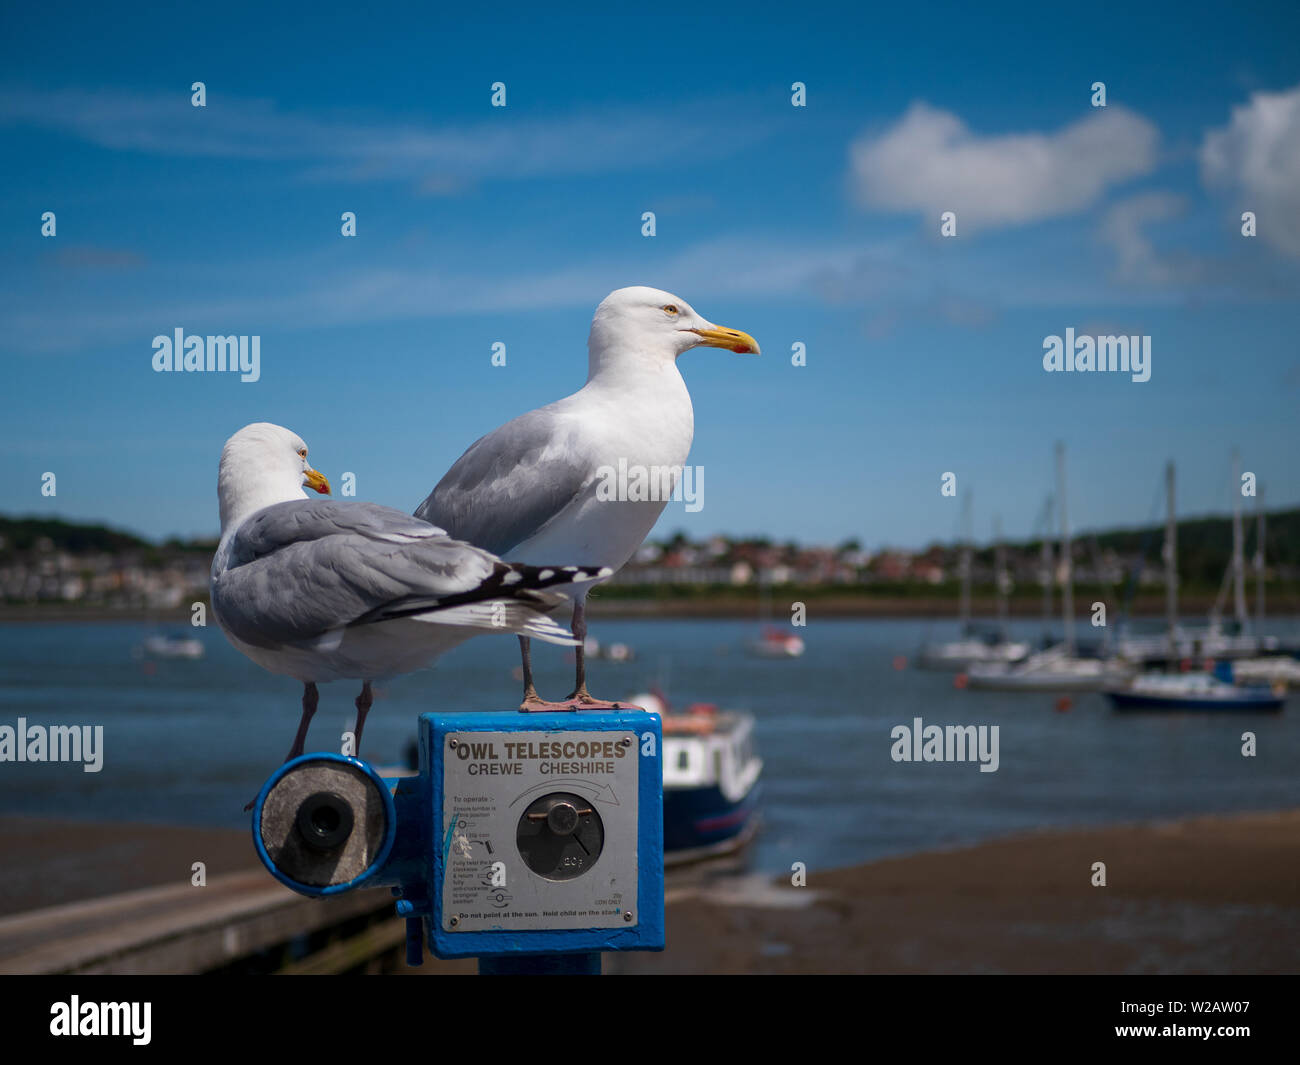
{"x":504,"y":616}
{"x":522,"y":598}
{"x":512,"y":591}
{"x":521,"y":579}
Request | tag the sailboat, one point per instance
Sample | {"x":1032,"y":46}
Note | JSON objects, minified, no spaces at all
{"x":1239,"y":641}
{"x":772,"y":641}
{"x":973,"y":646}
{"x":1216,"y":640}
{"x":1059,"y":668}
{"x":1196,"y":690}
{"x":1278,"y":669}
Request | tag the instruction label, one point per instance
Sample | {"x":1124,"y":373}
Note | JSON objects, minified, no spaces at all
{"x":490,"y":782}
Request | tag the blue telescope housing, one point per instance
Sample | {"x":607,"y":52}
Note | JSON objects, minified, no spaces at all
{"x":532,"y":841}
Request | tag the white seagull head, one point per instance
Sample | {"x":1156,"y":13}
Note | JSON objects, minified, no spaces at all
{"x":261,"y":465}
{"x":648,"y":323}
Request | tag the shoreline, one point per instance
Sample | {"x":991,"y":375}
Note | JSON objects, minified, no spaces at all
{"x":720,"y":607}
{"x":1204,"y":894}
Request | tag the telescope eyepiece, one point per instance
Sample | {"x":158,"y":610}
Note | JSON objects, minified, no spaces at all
{"x":325,"y":820}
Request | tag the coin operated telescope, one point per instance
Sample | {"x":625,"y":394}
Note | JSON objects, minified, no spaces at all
{"x":532,"y":841}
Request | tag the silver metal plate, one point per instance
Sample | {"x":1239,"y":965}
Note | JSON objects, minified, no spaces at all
{"x":491,"y":780}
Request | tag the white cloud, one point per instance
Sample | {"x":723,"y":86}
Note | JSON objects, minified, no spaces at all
{"x":1137,"y":261}
{"x":1258,"y":154}
{"x":931,"y":162}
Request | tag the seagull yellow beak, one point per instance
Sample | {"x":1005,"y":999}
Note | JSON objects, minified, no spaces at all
{"x":717,"y":336}
{"x":316,"y":480}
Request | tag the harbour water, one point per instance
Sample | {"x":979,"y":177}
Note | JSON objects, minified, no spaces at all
{"x":189,"y":742}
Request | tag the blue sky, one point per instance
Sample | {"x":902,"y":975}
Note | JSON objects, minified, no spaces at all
{"x":817,"y":225}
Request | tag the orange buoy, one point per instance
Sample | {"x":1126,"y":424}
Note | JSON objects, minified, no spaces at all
{"x":900,"y":662}
{"x":1063,"y":704}
{"x":960,"y":681}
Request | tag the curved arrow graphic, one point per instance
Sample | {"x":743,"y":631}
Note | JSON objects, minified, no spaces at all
{"x":598,"y":792}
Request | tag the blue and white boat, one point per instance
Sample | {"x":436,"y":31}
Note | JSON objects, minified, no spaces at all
{"x":711,"y":780}
{"x":1195,"y":691}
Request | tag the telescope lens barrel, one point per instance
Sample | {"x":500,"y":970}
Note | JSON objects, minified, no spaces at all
{"x":324,"y":823}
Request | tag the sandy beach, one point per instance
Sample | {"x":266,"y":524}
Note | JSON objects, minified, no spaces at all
{"x":1204,"y":895}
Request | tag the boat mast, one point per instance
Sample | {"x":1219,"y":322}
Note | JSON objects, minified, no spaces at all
{"x":1100,"y":569}
{"x":1001,"y":577}
{"x":1171,"y":562}
{"x":1067,"y":589}
{"x":968,"y":534}
{"x":1045,"y":556}
{"x":1238,"y":562}
{"x":1259,"y":562}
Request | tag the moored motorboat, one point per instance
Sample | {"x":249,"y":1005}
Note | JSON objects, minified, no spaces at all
{"x":711,"y":779}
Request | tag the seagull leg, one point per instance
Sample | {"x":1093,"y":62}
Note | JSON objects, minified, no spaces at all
{"x":310,"y":697}
{"x":364,"y":702}
{"x":580,"y":698}
{"x":532,"y":701}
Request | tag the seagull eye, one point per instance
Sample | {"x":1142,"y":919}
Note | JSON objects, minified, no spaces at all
{"x":302,"y":452}
{"x":670,"y":308}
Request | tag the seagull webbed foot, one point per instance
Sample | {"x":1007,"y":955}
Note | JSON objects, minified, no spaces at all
{"x":584,"y":700}
{"x":534,"y":703}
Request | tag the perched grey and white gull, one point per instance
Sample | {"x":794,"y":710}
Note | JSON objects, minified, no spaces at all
{"x":538,"y":488}
{"x":324,"y":590}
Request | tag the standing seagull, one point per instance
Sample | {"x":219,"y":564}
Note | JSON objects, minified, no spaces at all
{"x":322,"y":590}
{"x":537,"y":489}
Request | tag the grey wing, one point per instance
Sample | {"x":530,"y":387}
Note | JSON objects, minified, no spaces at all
{"x":297,"y":570}
{"x":513,"y":481}
{"x":275,"y":527}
